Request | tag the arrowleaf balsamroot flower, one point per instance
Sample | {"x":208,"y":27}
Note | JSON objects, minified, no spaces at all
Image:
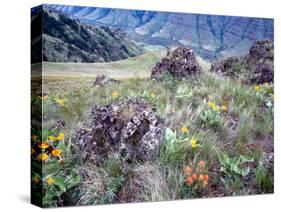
{"x":50,"y":180}
{"x":257,"y":88}
{"x":152,"y":95}
{"x":115,"y":94}
{"x":224,"y":108}
{"x":214,"y":106}
{"x":42,"y":157}
{"x":56,"y":152}
{"x":52,"y":138}
{"x":60,"y":136}
{"x":61,"y":101}
{"x":266,"y":85}
{"x":184,"y":129}
{"x":193,"y":143}
{"x":43,"y":145}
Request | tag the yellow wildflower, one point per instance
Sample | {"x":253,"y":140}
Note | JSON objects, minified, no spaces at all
{"x":52,"y":138}
{"x":43,"y":145}
{"x":184,"y":129}
{"x":60,"y":101}
{"x":43,"y":157}
{"x":266,"y":85}
{"x":56,"y":152}
{"x":193,"y":143}
{"x":36,"y":179}
{"x":257,"y":88}
{"x":50,"y":180}
{"x":115,"y":94}
{"x":152,"y":95}
{"x":214,"y":106}
{"x":32,"y":151}
{"x":60,"y":136}
{"x":224,"y":108}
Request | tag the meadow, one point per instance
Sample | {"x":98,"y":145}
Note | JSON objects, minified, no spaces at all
{"x":218,"y":136}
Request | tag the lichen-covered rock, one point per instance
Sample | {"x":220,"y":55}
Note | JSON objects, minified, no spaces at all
{"x":227,"y":67}
{"x":130,"y":128}
{"x":180,"y":63}
{"x":102,"y":80}
{"x":255,"y":67}
{"x":260,"y":60}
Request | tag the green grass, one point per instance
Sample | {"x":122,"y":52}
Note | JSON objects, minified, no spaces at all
{"x":181,"y":103}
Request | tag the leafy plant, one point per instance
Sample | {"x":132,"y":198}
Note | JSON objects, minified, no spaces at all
{"x":149,"y":96}
{"x":52,"y":168}
{"x":211,"y":118}
{"x":233,"y":169}
{"x":235,"y":165}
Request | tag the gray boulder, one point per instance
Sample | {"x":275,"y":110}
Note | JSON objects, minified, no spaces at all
{"x":132,"y":129}
{"x":180,"y":63}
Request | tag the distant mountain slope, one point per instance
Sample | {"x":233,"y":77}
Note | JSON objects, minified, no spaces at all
{"x":68,"y":40}
{"x":210,"y":36}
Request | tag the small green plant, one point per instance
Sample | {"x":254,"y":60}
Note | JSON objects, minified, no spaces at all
{"x":233,"y":169}
{"x":176,"y":148}
{"x":184,"y":93}
{"x":112,"y":189}
{"x":149,"y":96}
{"x":263,"y":179}
{"x":235,"y":165}
{"x":211,"y":118}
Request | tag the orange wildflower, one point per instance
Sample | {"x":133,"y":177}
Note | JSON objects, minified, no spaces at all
{"x":188,"y":170}
{"x":189,"y":180}
{"x":201,"y":164}
{"x":194,"y":176}
{"x":201,"y":177}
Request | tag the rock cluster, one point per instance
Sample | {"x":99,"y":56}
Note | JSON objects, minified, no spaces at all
{"x":180,"y":63}
{"x":255,"y":67}
{"x":227,"y":67}
{"x":131,"y":129}
{"x":260,"y":60}
{"x":102,"y":80}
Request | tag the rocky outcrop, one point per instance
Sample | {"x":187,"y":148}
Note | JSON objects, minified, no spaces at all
{"x":261,"y":61}
{"x":255,"y":67}
{"x":180,"y":63}
{"x":131,"y":129}
{"x":102,"y":80}
{"x":226,"y":67}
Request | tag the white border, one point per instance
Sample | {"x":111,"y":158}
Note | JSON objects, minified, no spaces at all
{"x":15,"y":85}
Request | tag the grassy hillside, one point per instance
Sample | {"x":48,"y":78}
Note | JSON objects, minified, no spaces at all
{"x":222,"y":132}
